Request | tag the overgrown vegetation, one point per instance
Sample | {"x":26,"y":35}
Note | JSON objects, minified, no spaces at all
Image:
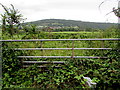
{"x":11,"y":20}
{"x":105,"y":72}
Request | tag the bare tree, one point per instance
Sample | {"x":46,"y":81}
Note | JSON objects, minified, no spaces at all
{"x":116,"y":11}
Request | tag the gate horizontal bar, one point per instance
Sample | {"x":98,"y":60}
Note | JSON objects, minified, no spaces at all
{"x":113,"y":39}
{"x":25,"y":66}
{"x":62,"y":48}
{"x":61,"y":57}
{"x":45,"y":62}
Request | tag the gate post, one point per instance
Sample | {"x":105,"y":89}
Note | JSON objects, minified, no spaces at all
{"x":119,"y":15}
{"x":118,"y":31}
{"x":0,"y":65}
{"x":0,"y":60}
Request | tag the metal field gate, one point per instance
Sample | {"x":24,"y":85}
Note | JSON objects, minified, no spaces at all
{"x":58,"y":62}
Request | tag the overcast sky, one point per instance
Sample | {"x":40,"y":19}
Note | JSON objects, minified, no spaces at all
{"x":84,"y":10}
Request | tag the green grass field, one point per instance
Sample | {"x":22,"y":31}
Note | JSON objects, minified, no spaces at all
{"x":75,"y":32}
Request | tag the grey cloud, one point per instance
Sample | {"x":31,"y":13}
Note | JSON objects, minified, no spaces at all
{"x":70,"y":5}
{"x":31,"y":8}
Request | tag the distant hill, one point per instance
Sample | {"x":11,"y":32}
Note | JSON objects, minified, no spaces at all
{"x":73,"y":23}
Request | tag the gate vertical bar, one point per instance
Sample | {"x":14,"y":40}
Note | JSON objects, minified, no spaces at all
{"x":102,"y":51}
{"x":41,"y":44}
{"x":0,"y":59}
{"x":72,"y":48}
{"x":118,"y":31}
{"x":119,"y":15}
